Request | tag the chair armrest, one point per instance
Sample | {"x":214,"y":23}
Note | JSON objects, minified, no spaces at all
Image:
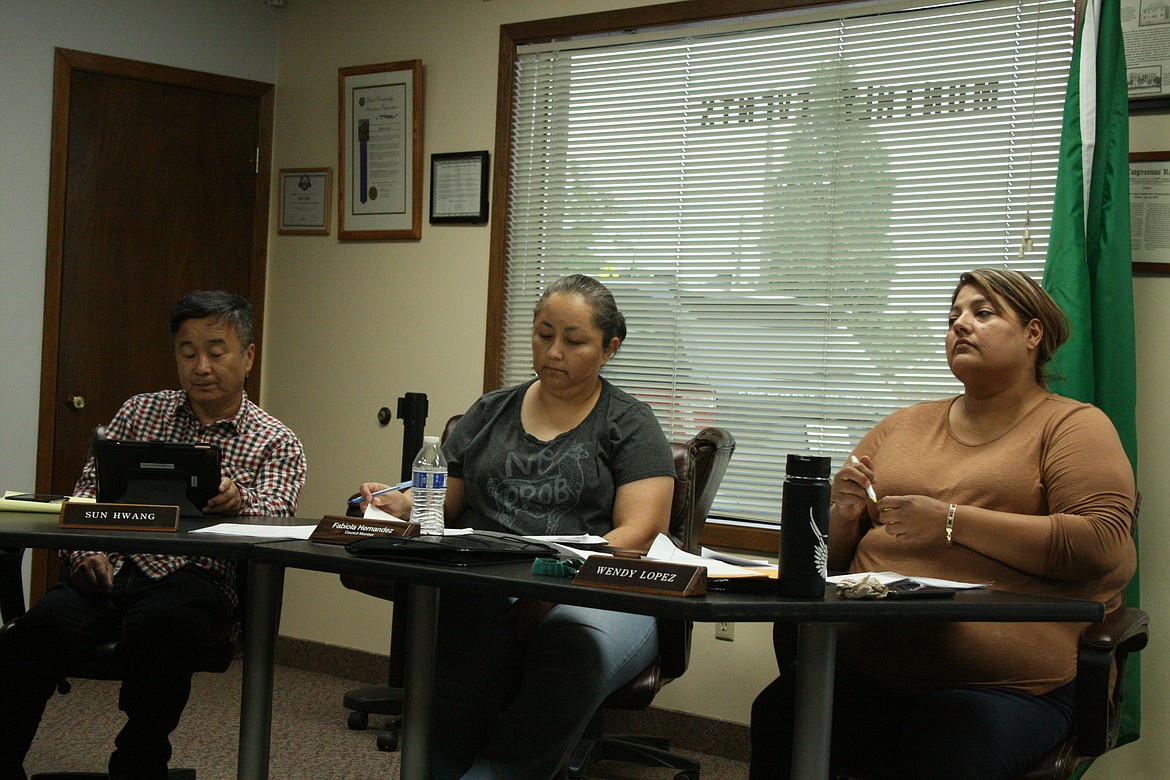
{"x":1101,"y":659}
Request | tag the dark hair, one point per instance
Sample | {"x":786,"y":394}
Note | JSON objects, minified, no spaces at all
{"x":605,"y":311}
{"x":227,"y":307}
{"x":1030,"y":302}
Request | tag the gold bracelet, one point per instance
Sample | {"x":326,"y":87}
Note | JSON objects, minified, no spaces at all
{"x":950,"y":524}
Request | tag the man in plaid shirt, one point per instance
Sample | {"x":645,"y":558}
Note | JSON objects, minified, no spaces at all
{"x":159,"y":607}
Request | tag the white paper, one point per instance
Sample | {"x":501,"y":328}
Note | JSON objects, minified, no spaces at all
{"x":49,"y":507}
{"x":262,"y":531}
{"x":886,"y":577}
{"x":664,"y":550}
{"x":570,"y":539}
{"x":375,"y":513}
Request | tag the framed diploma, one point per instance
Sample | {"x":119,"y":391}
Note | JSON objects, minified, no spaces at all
{"x":379,"y":127}
{"x":305,"y":198}
{"x":459,"y":187}
{"x":1145,"y":30}
{"x":1149,"y":212}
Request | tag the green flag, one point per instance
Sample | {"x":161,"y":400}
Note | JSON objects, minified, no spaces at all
{"x":1088,"y":268}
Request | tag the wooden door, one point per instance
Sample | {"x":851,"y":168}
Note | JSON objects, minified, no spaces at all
{"x":159,"y":185}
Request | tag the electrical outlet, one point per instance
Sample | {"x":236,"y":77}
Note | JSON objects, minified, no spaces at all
{"x":725,"y":631}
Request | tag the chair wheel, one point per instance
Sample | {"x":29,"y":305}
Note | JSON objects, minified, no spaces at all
{"x":358,"y":721}
{"x":688,"y":775}
{"x":387,"y":741}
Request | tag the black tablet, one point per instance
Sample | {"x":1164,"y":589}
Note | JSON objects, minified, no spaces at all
{"x":162,"y":473}
{"x":456,"y":550}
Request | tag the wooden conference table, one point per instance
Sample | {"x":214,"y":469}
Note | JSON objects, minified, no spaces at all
{"x":269,"y":559}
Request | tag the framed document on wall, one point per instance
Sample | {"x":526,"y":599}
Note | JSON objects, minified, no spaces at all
{"x":305,"y":201}
{"x":1149,"y":211}
{"x":1145,"y":30}
{"x":459,"y":188}
{"x":379,"y":126}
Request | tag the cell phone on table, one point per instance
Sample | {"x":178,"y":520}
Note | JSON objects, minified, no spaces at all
{"x":40,"y":498}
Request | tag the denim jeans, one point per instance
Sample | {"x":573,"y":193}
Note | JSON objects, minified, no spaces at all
{"x":509,"y":706}
{"x":980,"y":733}
{"x":159,"y":624}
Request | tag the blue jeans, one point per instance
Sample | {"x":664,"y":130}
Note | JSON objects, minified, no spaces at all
{"x":981,"y":733}
{"x":511,"y":705}
{"x":159,"y":624}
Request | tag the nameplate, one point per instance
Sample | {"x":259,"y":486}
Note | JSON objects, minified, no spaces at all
{"x":643,"y":576}
{"x":337,"y":529}
{"x":119,"y":517}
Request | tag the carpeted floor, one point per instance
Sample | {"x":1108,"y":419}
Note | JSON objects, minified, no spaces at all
{"x":310,"y":739}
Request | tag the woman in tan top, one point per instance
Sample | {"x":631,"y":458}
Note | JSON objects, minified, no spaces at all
{"x":1007,"y":484}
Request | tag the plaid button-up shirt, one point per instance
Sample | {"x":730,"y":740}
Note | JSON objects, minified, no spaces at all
{"x":257,"y":451}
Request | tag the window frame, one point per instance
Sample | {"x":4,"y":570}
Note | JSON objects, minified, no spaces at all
{"x":744,"y":534}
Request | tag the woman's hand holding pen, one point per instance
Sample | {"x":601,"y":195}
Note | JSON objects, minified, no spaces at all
{"x":853,"y":487}
{"x":393,"y":501}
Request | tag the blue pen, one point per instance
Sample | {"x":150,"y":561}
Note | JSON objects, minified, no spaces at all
{"x":382,"y":492}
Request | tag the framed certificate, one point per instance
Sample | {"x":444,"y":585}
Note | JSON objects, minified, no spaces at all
{"x":379,"y":126}
{"x":1149,"y":212}
{"x":1145,"y":29}
{"x":305,"y":198}
{"x":459,"y":187}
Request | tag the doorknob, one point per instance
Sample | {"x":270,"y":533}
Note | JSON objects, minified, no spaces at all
{"x":77,"y":401}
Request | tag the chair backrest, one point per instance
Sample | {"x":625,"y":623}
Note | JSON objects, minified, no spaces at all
{"x":699,"y":464}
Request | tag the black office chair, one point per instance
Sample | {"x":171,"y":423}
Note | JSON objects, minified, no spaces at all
{"x":216,"y":654}
{"x":1102,"y":654}
{"x":699,"y":466}
{"x":383,"y":699}
{"x":11,"y":583}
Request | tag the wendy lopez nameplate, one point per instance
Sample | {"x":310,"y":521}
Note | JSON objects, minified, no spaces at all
{"x":119,"y":517}
{"x":335,"y":529}
{"x":643,"y":576}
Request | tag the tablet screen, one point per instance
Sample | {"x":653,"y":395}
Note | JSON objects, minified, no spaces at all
{"x":157,"y":473}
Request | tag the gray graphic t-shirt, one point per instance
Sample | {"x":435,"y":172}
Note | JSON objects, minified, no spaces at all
{"x":515,"y":482}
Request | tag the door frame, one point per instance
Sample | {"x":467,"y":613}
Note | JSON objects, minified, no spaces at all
{"x":66,"y":62}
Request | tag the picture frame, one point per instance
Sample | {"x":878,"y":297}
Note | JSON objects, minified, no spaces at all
{"x":1145,"y":31}
{"x":459,"y":187}
{"x":1149,"y":201}
{"x":306,"y":198}
{"x":379,"y":128}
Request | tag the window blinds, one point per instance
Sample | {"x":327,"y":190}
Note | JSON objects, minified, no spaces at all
{"x":783,"y":210}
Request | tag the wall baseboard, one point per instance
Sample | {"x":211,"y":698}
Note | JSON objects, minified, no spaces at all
{"x":684,"y":730}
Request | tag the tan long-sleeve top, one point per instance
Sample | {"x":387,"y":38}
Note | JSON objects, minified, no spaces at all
{"x":1063,"y":461}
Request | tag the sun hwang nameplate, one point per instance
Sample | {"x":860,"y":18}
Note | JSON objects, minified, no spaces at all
{"x":119,"y":517}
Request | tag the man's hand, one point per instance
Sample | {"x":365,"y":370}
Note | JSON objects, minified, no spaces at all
{"x":227,"y":502}
{"x":94,"y":574}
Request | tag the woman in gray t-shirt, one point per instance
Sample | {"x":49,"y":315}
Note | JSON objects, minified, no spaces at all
{"x":566,"y":453}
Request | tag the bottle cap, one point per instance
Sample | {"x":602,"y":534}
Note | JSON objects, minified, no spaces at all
{"x":816,"y":466}
{"x":431,"y":439}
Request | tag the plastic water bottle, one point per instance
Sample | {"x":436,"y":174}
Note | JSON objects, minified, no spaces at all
{"x":804,"y":527}
{"x":428,"y":487}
